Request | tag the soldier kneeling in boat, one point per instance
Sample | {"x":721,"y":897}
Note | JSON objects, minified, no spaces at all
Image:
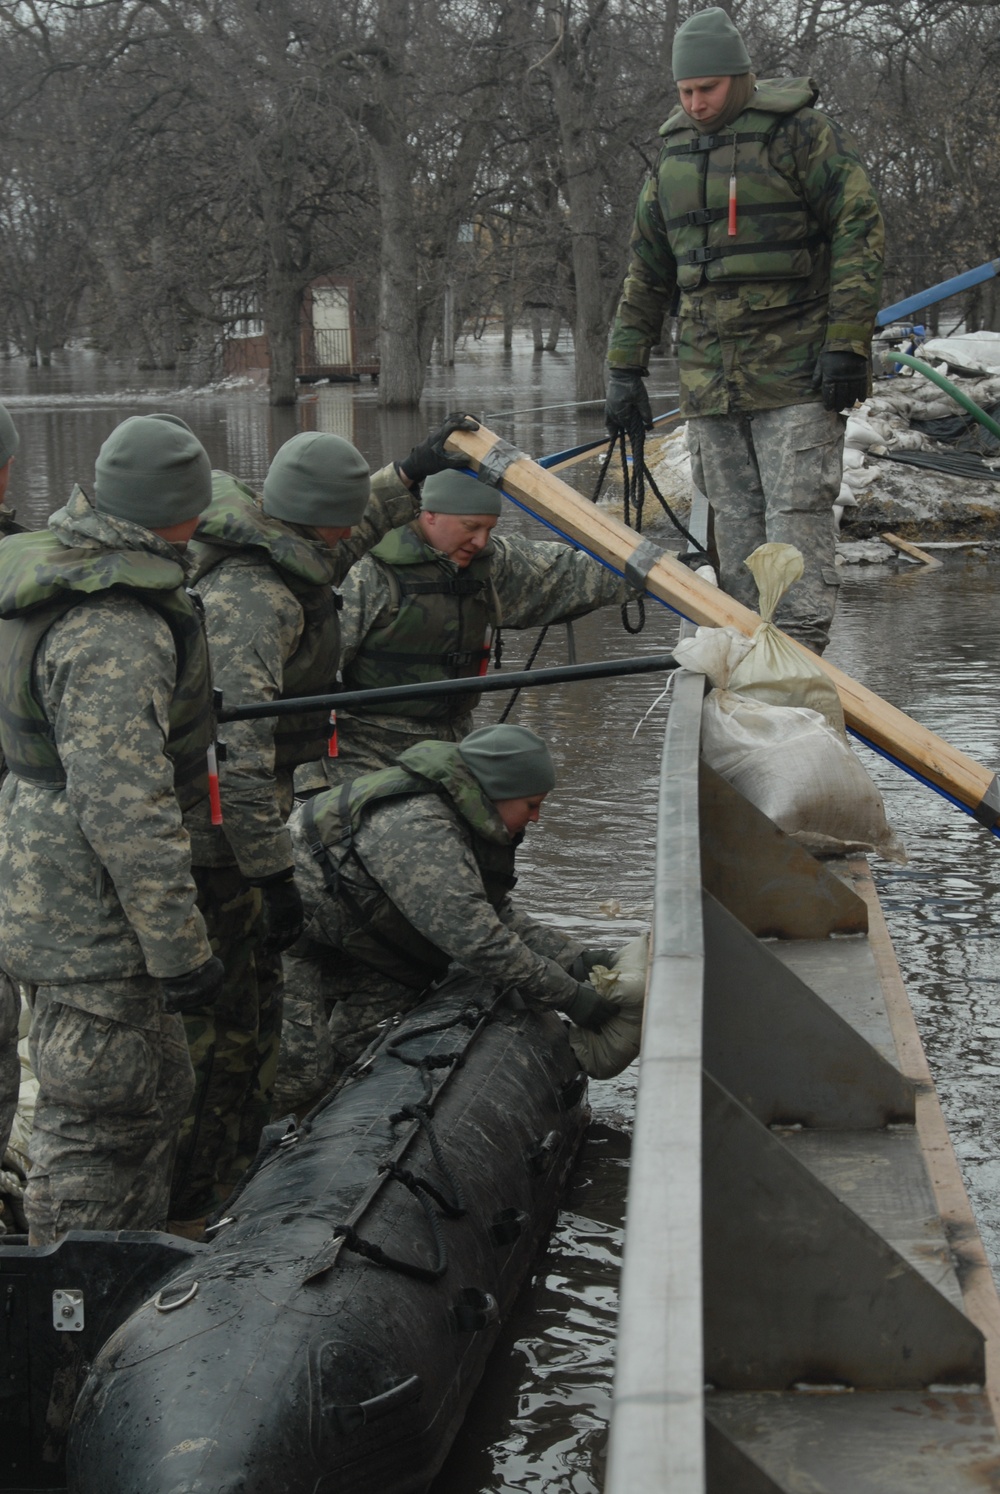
{"x":407,"y":869}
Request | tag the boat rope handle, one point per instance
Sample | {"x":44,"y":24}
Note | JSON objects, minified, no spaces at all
{"x":187,"y":1296}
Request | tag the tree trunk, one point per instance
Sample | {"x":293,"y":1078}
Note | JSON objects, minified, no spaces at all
{"x":282,"y":310}
{"x":538,"y":336}
{"x":581,"y":186}
{"x":401,"y":371}
{"x":554,"y":329}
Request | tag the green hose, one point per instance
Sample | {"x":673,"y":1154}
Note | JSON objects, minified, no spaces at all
{"x":974,"y":410}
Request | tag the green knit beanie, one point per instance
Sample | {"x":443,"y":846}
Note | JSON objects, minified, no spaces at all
{"x":451,"y":492}
{"x":508,"y":762}
{"x":9,"y":439}
{"x":709,"y":46}
{"x":153,"y":470}
{"x":318,"y":480}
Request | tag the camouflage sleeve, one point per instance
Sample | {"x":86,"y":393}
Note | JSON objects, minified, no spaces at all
{"x":440,"y":892}
{"x":109,"y":673}
{"x":543,"y":581}
{"x":842,"y":200}
{"x":366,"y":595}
{"x":649,"y":286}
{"x":541,"y":937}
{"x":391,"y":504}
{"x":254,"y":625}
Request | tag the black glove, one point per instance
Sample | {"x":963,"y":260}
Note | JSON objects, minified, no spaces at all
{"x":430,"y":456}
{"x":843,"y":378}
{"x":197,"y":988}
{"x":284,"y":918}
{"x":589,"y":1008}
{"x":588,"y":958}
{"x":627,"y":401}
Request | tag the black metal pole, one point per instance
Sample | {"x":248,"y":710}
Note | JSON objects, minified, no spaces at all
{"x":437,"y":689}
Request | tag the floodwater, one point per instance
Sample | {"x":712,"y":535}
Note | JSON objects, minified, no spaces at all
{"x":926,"y":640}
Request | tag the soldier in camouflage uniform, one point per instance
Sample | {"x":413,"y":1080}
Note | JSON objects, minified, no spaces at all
{"x":105,"y":720}
{"x":266,"y":569}
{"x":761,"y":229}
{"x":425,"y":602}
{"x":10,"y":1001}
{"x":410,"y":868}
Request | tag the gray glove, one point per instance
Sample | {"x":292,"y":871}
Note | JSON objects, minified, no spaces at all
{"x":627,"y":402}
{"x":588,"y":1008}
{"x":195,"y":989}
{"x":843,"y":379}
{"x":430,"y":456}
{"x":588,"y":958}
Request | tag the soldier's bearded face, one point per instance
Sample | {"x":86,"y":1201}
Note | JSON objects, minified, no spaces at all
{"x":517,"y":814}
{"x":704,"y":98}
{"x":459,"y":536}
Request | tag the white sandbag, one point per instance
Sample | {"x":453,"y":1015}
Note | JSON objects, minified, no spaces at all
{"x":859,"y":435}
{"x":853,"y":457}
{"x":774,"y":669}
{"x":606,"y":1053}
{"x":846,"y":498}
{"x":799,"y":772}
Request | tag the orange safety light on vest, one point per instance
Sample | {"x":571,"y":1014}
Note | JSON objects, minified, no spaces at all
{"x":732,"y":206}
{"x":332,"y":746}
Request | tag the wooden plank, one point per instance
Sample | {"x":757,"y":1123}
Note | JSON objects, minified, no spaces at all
{"x":975,"y":1277}
{"x":913,"y":551}
{"x":874,"y":719}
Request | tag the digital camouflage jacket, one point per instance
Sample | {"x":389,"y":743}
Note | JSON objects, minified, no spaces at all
{"x":95,"y":875}
{"x":802,"y":274}
{"x":531,"y":583}
{"x":256,"y":621}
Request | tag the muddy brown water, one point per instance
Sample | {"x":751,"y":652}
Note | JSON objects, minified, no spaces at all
{"x":926,"y":640}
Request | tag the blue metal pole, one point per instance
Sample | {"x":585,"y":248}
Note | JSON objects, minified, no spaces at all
{"x":938,"y":293}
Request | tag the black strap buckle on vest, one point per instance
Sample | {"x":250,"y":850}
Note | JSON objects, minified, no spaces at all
{"x":467,"y":656}
{"x":703,"y":255}
{"x":709,"y":142}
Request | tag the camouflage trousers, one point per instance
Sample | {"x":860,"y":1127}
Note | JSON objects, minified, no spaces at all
{"x":234,"y":1049}
{"x":114,"y":1081}
{"x":774,"y":476}
{"x":336,"y":1007}
{"x":10,"y":1064}
{"x":365,"y":746}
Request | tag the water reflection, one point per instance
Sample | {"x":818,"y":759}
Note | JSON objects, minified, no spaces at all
{"x":927,"y":640}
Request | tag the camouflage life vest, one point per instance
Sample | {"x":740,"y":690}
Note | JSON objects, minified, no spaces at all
{"x":236,"y":524}
{"x":776,"y":238}
{"x":40,"y":581}
{"x":438,"y":627}
{"x":8,"y":522}
{"x":376,"y":932}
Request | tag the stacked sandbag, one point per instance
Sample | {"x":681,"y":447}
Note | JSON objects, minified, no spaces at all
{"x":773,"y":727}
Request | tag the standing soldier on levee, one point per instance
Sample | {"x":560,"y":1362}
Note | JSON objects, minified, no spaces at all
{"x":10,"y":1002}
{"x":105,"y":721}
{"x":265,"y":569}
{"x":425,"y":603}
{"x":760,"y":228}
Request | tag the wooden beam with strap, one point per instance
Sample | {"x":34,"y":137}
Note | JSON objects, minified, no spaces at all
{"x":874,"y":720}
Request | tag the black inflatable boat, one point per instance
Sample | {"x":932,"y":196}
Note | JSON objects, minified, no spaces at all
{"x":332,"y":1333}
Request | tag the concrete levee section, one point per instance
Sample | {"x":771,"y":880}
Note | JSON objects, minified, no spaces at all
{"x":805,"y":1305}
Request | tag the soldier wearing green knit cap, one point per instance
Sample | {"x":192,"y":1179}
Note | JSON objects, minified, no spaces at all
{"x":759,"y":228}
{"x":420,"y":857}
{"x":105,"y":724}
{"x":425,"y":604}
{"x":266,"y":568}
